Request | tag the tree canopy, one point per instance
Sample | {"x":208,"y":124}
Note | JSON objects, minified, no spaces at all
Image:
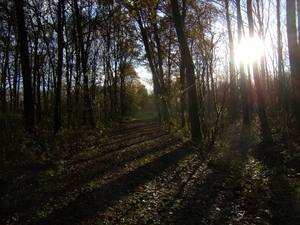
{"x":70,"y":64}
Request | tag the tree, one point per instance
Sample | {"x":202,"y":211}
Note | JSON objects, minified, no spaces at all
{"x":183,"y":76}
{"x":279,"y":52}
{"x":232,"y":97}
{"x":165,"y":111}
{"x":245,"y":106}
{"x":159,"y":94}
{"x":266,"y":130}
{"x":26,"y":71}
{"x":57,"y":106}
{"x":294,"y":57}
{"x":190,"y":73}
{"x":6,"y":38}
{"x":84,"y":71}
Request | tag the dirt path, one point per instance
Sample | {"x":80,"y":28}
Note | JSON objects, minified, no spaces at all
{"x":139,"y":175}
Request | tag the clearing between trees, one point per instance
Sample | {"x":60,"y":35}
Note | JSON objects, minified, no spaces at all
{"x":141,"y":174}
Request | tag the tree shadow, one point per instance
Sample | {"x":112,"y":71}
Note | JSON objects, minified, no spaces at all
{"x":109,"y":148}
{"x":210,"y":201}
{"x":36,"y":185}
{"x":209,"y":192}
{"x":217,"y":198}
{"x":284,"y":202}
{"x":132,"y":127}
{"x":89,"y":204}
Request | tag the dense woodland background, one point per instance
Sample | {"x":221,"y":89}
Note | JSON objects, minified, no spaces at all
{"x":68,"y":67}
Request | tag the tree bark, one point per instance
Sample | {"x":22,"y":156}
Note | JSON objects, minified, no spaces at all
{"x":87,"y":100}
{"x":232,"y":93}
{"x":280,"y":57}
{"x":4,"y":78}
{"x":245,"y":106}
{"x":294,"y":57}
{"x":298,"y":19}
{"x":57,"y":105}
{"x":160,"y":74}
{"x":266,"y":131}
{"x":159,"y":99}
{"x":16,"y":81}
{"x":182,"y":94}
{"x":190,"y":72}
{"x":26,"y":71}
{"x":122,"y":88}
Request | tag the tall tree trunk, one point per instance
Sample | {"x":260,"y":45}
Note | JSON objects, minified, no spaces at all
{"x":47,"y":84}
{"x":266,"y":131}
{"x":5,"y":66}
{"x":158,"y":94}
{"x":57,"y":90}
{"x":116,"y":79}
{"x":116,"y":51}
{"x":69,"y":75}
{"x":38,"y":98}
{"x":182,"y":95}
{"x":280,"y":57}
{"x":160,"y":74}
{"x":245,"y":106}
{"x":294,"y":57}
{"x":16,"y":80}
{"x":87,"y":100}
{"x":26,"y":72}
{"x":232,"y":93}
{"x":4,"y":79}
{"x":190,"y":73}
{"x":298,"y":20}
{"x":259,"y":14}
{"x":122,"y":88}
{"x":183,"y":105}
{"x":108,"y":74}
{"x":77,"y":78}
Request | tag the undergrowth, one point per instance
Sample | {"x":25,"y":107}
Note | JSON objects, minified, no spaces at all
{"x":268,"y":177}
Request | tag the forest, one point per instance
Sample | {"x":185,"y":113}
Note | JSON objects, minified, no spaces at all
{"x":150,"y":112}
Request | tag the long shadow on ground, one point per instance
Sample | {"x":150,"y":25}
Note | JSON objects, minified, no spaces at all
{"x":143,"y":175}
{"x":88,"y":204}
{"x":48,"y":195}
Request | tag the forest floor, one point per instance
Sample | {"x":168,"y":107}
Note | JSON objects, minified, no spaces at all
{"x":141,"y":174}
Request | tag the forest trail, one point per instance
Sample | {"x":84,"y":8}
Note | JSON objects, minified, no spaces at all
{"x":140,"y":174}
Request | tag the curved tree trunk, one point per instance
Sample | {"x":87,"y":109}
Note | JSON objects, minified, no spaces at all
{"x":160,"y":101}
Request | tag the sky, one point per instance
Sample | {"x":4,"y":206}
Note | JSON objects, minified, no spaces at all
{"x":145,"y":77}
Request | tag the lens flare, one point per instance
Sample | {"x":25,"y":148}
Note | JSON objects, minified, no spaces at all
{"x":249,"y":50}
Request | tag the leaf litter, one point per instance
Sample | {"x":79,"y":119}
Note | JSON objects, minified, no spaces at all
{"x":141,"y":174}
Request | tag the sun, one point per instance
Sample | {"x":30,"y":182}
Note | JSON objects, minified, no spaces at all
{"x":249,"y":50}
